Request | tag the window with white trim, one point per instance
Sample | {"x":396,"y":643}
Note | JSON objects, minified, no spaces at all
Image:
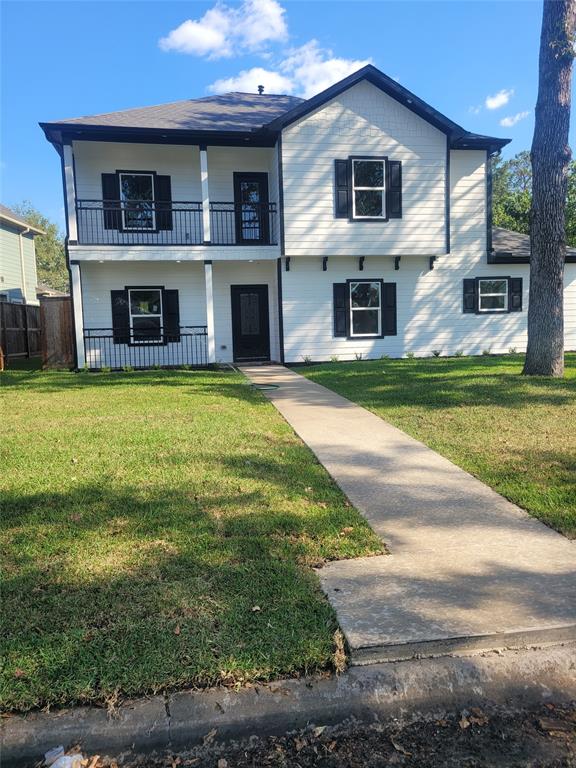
{"x":365,"y":308}
{"x":493,"y":295}
{"x":368,"y":189}
{"x":145,"y":308}
{"x":137,"y":196}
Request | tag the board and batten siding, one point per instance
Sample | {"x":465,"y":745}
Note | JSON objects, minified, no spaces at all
{"x":11,"y":279}
{"x":363,"y":121}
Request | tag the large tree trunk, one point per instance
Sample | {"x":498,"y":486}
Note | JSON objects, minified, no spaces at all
{"x":550,"y":159}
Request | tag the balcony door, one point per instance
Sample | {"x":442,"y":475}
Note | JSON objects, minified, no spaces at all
{"x":250,"y":322}
{"x":251,"y":208}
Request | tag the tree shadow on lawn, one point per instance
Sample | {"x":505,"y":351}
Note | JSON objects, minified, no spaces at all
{"x":144,"y":594}
{"x":442,"y":383}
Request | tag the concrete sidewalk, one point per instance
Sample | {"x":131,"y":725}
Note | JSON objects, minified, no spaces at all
{"x":467,"y":569}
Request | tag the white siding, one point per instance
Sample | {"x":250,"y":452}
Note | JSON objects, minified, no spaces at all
{"x":225,"y":275}
{"x":11,"y":283}
{"x":172,"y":253}
{"x":363,"y":121}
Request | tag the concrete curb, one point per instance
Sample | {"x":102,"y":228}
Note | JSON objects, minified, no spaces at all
{"x":394,"y":689}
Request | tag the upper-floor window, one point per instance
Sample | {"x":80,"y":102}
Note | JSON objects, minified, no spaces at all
{"x":368,"y":189}
{"x":137,"y":196}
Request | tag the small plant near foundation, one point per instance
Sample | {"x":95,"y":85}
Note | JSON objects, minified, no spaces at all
{"x":307,"y":359}
{"x":512,"y":350}
{"x":156,"y":367}
{"x":358,"y":355}
{"x":436,"y":352}
{"x":105,"y":369}
{"x":128,"y":368}
{"x":410,"y":355}
{"x":487,"y":351}
{"x":384,"y":357}
{"x":334,"y":358}
{"x":186,"y":367}
{"x":84,"y":369}
{"x":459,"y":353}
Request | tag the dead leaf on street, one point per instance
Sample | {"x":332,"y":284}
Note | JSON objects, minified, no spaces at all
{"x":319,"y":730}
{"x":222,"y":763}
{"x":209,"y":738}
{"x":299,"y":744}
{"x":464,"y":722}
{"x":555,"y":727}
{"x":400,"y":748}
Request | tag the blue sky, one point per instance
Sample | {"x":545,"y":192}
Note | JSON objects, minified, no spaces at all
{"x":474,"y":61}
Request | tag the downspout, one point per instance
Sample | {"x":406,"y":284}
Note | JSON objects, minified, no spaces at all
{"x":22,"y":265}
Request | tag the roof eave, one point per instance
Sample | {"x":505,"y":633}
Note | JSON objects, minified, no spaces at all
{"x":23,"y":225}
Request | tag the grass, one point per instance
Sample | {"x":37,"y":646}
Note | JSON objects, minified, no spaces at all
{"x":515,"y":433}
{"x":159,"y":531}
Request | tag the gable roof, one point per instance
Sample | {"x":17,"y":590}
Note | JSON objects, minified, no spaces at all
{"x":10,"y":217}
{"x":257,"y":118}
{"x":514,"y":248}
{"x":459,"y":137}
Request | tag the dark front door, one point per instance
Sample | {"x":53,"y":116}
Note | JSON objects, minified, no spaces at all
{"x":251,"y":208}
{"x":250,"y":322}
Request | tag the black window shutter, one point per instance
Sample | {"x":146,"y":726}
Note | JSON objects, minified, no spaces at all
{"x":470,"y":298}
{"x":341,"y":309}
{"x":394,"y":190}
{"x":120,"y":317}
{"x":515,"y":294}
{"x":389,"y":324}
{"x":163,"y":199}
{"x":171,"y":317}
{"x":111,"y":201}
{"x":342,"y":189}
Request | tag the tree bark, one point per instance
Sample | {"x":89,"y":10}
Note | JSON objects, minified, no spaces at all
{"x":550,"y":160}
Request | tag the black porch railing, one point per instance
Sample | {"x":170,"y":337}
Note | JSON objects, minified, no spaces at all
{"x":243,"y":223}
{"x":157,"y":348}
{"x":138,"y":222}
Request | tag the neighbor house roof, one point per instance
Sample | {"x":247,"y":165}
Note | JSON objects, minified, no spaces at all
{"x":251,"y":117}
{"x":9,"y":216}
{"x":514,"y":248}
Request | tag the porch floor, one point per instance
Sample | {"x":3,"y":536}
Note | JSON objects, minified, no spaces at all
{"x":467,"y":569}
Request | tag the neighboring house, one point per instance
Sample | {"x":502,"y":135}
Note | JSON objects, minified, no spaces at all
{"x":264,"y":227}
{"x":18,"y":278}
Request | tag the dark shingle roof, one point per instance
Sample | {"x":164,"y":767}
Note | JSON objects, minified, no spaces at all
{"x":229,"y":112}
{"x":515,"y":246}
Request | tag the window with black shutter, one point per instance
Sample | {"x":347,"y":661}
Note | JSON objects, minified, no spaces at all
{"x":145,"y":315}
{"x":368,"y":188}
{"x":492,"y":295}
{"x":364,"y":308}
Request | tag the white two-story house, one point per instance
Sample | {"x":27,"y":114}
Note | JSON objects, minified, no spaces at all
{"x":255,"y":227}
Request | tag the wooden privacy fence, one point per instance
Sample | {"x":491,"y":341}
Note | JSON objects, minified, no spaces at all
{"x":57,"y":333}
{"x":19,"y":330}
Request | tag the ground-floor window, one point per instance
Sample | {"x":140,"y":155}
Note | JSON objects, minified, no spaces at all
{"x":145,"y":308}
{"x":493,"y":295}
{"x":365,"y":308}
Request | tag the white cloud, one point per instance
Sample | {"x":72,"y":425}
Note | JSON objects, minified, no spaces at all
{"x":249,"y":79}
{"x":312,"y":68}
{"x":475,"y":110}
{"x":499,"y":99}
{"x":304,"y":71}
{"x":224,"y":31}
{"x":508,"y":122}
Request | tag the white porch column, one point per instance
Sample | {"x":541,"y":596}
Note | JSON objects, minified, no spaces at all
{"x":68,"y":164}
{"x":78,"y":314}
{"x":210,"y":311}
{"x":205,"y":192}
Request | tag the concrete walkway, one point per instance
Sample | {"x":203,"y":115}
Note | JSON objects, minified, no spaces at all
{"x":467,"y":569}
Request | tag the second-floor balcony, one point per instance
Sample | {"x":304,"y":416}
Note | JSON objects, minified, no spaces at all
{"x":182,"y":223}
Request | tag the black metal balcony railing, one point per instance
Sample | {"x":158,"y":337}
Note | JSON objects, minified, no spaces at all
{"x":243,"y":223}
{"x":160,"y":347}
{"x":145,"y":222}
{"x":138,"y":222}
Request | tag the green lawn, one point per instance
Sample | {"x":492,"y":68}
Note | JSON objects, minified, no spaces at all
{"x":515,"y":433}
{"x":159,"y":530}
